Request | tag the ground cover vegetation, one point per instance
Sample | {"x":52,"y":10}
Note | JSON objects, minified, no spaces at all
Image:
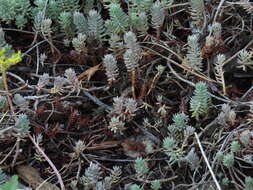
{"x":126,"y":94}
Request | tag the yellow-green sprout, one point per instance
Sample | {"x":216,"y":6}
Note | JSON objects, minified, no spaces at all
{"x":6,"y":62}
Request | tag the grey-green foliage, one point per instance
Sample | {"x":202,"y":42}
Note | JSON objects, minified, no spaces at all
{"x":200,"y":100}
{"x":135,"y":187}
{"x":124,"y":108}
{"x":180,"y":121}
{"x":111,"y":67}
{"x":139,"y":21}
{"x":141,"y":5}
{"x":194,"y":59}
{"x":130,"y":60}
{"x":244,"y":59}
{"x":180,"y":128}
{"x":215,"y":29}
{"x":115,"y":174}
{"x":79,"y":43}
{"x":119,"y":20}
{"x":155,"y":185}
{"x":116,"y":125}
{"x":218,"y":69}
{"x":192,"y":159}
{"x":43,"y":81}
{"x":115,"y":42}
{"x":227,"y":114}
{"x":197,"y":11}
{"x":133,"y":53}
{"x":132,"y":43}
{"x":95,"y":25}
{"x":42,"y":24}
{"x":171,"y":150}
{"x":228,"y":160}
{"x":66,"y":24}
{"x":245,"y":137}
{"x":92,"y":178}
{"x":169,"y":144}
{"x":20,"y":101}
{"x":89,"y":4}
{"x":52,"y":9}
{"x":103,"y":185}
{"x":15,"y":10}
{"x":69,"y":5}
{"x":37,"y":21}
{"x":225,"y":181}
{"x":3,"y":101}
{"x":92,"y":174}
{"x":22,"y":125}
{"x":142,"y":22}
{"x":46,"y":27}
{"x":235,"y":146}
{"x":248,"y":183}
{"x":219,"y":156}
{"x":141,"y":167}
{"x":157,"y":13}
{"x":11,"y":184}
{"x":80,"y":22}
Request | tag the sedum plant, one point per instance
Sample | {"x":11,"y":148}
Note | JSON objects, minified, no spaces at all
{"x":111,"y":68}
{"x":235,"y":146}
{"x":248,"y":183}
{"x":155,"y":184}
{"x":135,"y":187}
{"x":158,"y":16}
{"x":244,"y":59}
{"x":79,"y":43}
{"x":171,"y":150}
{"x":92,"y":174}
{"x":92,"y":178}
{"x":22,"y":125}
{"x":15,"y":10}
{"x":66,"y":24}
{"x":200,"y":100}
{"x":132,"y":56}
{"x":141,"y":5}
{"x":219,"y":72}
{"x":180,"y":121}
{"x":119,"y":20}
{"x":141,"y":167}
{"x":132,"y":44}
{"x":3,"y":101}
{"x":80,"y":22}
{"x":12,"y":184}
{"x":95,"y":25}
{"x":89,"y":4}
{"x":52,"y":11}
{"x":69,"y":5}
{"x":192,"y":159}
{"x":194,"y":59}
{"x":116,"y":125}
{"x":228,"y":160}
{"x":197,"y":12}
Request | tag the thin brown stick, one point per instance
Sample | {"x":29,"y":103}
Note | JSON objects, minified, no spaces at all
{"x":49,"y":162}
{"x":133,"y":78}
{"x":4,"y":76}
